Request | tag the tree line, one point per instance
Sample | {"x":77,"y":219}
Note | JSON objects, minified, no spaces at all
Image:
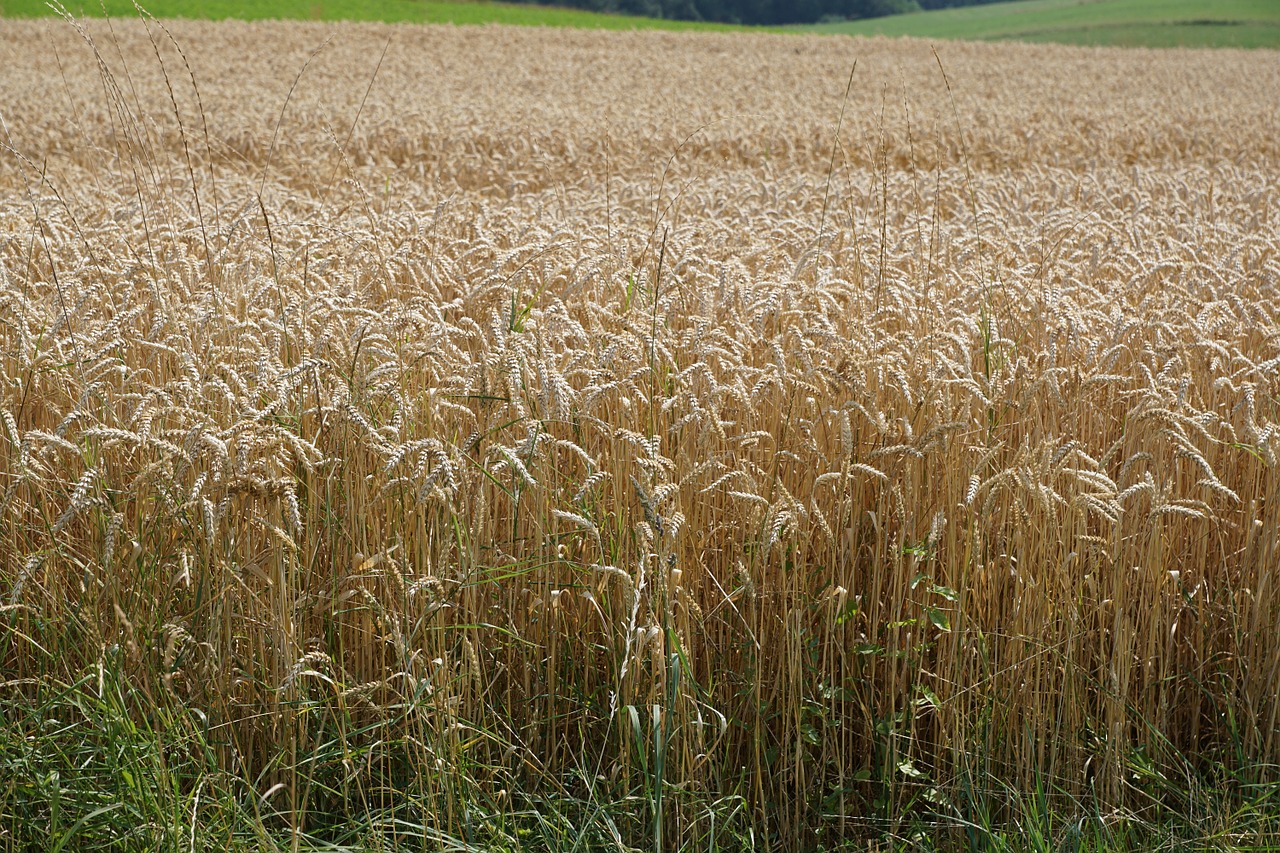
{"x":759,"y":11}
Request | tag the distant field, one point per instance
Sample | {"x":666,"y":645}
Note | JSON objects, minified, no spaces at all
{"x":1126,"y":23}
{"x":1130,"y":23}
{"x":390,"y":11}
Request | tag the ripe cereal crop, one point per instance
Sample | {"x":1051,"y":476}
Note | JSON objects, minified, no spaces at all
{"x":478,"y":438}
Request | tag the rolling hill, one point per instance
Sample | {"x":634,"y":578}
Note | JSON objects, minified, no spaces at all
{"x":1131,"y":23}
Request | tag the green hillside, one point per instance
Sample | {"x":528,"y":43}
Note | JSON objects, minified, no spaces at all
{"x":1145,"y":23}
{"x":1134,"y":23}
{"x":392,"y":11}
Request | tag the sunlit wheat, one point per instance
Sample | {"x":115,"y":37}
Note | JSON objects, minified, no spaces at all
{"x":976,"y":478}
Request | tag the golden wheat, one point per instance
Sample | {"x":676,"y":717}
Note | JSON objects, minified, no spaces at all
{"x":501,"y":382}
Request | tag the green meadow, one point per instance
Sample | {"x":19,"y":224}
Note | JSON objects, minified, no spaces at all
{"x":1126,"y":23}
{"x":390,"y":11}
{"x":1121,"y":23}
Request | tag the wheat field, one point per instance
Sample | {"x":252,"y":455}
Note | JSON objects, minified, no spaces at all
{"x":794,"y":437}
